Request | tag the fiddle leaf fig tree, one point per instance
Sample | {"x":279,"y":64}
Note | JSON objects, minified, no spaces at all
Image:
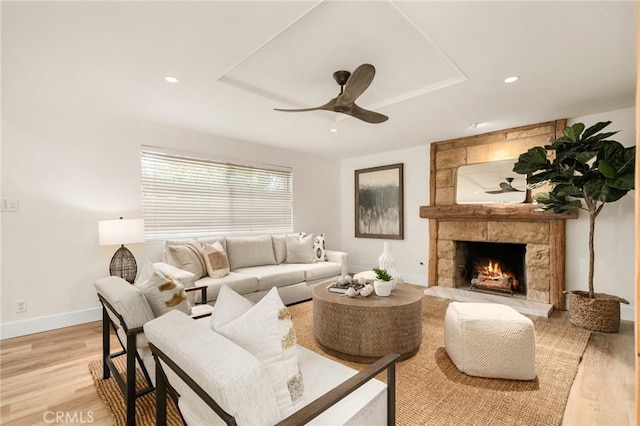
{"x":588,"y":170}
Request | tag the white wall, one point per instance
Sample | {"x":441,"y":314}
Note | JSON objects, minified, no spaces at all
{"x":413,"y":250}
{"x":70,"y":169}
{"x":615,"y":255}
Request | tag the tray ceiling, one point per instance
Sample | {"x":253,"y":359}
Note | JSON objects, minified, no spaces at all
{"x":295,"y":67}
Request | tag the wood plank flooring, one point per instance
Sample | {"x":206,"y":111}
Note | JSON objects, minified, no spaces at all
{"x":46,"y":373}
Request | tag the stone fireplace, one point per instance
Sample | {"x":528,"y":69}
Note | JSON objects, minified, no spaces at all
{"x":533,"y":236}
{"x":540,"y":236}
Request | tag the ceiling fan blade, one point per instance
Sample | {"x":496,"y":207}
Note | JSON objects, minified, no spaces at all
{"x":327,"y":107}
{"x":357,"y":84}
{"x":507,"y":187}
{"x":366,"y":115}
{"x":504,"y":188}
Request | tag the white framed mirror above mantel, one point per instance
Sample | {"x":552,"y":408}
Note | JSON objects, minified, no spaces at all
{"x":490,"y":182}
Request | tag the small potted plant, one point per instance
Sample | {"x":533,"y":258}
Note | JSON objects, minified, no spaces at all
{"x":588,"y":170}
{"x":383,"y":283}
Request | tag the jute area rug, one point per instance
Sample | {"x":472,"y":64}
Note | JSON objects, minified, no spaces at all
{"x":110,"y":394}
{"x":429,"y":388}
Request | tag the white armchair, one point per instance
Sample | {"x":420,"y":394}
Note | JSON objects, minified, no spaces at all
{"x":215,"y":381}
{"x":126,"y":310}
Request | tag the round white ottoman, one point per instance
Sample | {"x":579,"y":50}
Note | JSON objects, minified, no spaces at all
{"x":490,"y":340}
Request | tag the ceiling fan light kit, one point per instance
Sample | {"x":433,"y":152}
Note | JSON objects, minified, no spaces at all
{"x":351,"y":87}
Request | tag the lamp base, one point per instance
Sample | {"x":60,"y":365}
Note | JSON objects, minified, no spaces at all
{"x":123,"y":265}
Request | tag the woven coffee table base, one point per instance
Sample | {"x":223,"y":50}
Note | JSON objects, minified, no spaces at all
{"x":365,"y":329}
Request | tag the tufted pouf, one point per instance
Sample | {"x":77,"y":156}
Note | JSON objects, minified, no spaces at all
{"x":490,"y":340}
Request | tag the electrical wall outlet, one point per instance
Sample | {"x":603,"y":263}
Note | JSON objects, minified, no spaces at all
{"x":21,"y":305}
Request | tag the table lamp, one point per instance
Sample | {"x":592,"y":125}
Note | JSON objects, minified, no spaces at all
{"x":122,"y":231}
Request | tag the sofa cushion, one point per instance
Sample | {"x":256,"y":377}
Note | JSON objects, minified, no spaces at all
{"x":315,"y":271}
{"x":300,"y":248}
{"x":250,"y":251}
{"x":216,"y":260}
{"x":233,"y":377}
{"x":162,"y":293}
{"x":275,"y":275}
{"x":266,"y":331}
{"x":240,"y":283}
{"x":187,"y":256}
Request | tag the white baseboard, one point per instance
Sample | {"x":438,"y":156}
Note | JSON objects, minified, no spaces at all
{"x":53,"y":322}
{"x":627,"y":313}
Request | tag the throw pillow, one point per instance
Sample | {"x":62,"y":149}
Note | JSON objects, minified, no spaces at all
{"x":162,"y":293}
{"x":267,"y":332}
{"x":216,"y":260}
{"x":279,"y":247}
{"x":229,"y":306}
{"x":188,"y":256}
{"x":300,"y":249}
{"x":319,"y":249}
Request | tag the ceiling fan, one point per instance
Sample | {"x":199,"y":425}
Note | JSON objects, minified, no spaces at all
{"x":505,"y":187}
{"x":351,"y":87}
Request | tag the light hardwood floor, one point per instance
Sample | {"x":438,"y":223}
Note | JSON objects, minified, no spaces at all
{"x":46,"y":373}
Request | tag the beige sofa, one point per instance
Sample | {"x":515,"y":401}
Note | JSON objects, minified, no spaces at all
{"x":259,"y":263}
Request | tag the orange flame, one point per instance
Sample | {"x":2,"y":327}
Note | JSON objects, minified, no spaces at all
{"x":494,"y":270}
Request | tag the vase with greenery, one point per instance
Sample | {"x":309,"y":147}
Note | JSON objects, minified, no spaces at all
{"x":587,"y":171}
{"x":382,"y":284}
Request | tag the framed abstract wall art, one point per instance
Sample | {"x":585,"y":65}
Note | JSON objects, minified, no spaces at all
{"x":379,"y":202}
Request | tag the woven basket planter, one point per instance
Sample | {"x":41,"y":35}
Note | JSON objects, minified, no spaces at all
{"x":599,"y":314}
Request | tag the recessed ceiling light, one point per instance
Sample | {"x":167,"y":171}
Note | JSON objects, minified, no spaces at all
{"x":170,"y":79}
{"x":511,"y":79}
{"x":334,"y":130}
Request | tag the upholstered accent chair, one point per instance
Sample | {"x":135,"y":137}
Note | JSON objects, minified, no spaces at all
{"x":125,"y":309}
{"x":215,"y":381}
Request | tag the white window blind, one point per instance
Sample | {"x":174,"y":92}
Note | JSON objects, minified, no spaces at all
{"x":190,"y":197}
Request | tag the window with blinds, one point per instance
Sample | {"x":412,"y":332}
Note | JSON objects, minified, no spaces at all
{"x":190,"y":197}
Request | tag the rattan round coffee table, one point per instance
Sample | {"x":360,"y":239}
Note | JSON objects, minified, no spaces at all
{"x":363,"y":329}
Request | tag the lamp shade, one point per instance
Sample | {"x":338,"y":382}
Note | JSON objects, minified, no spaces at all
{"x":120,"y":231}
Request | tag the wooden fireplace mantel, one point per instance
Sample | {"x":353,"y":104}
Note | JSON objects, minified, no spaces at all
{"x":519,"y":212}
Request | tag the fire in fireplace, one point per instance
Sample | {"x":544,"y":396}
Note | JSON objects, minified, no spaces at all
{"x":495,"y":267}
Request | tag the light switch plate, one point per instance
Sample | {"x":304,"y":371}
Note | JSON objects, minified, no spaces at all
{"x":10,"y":206}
